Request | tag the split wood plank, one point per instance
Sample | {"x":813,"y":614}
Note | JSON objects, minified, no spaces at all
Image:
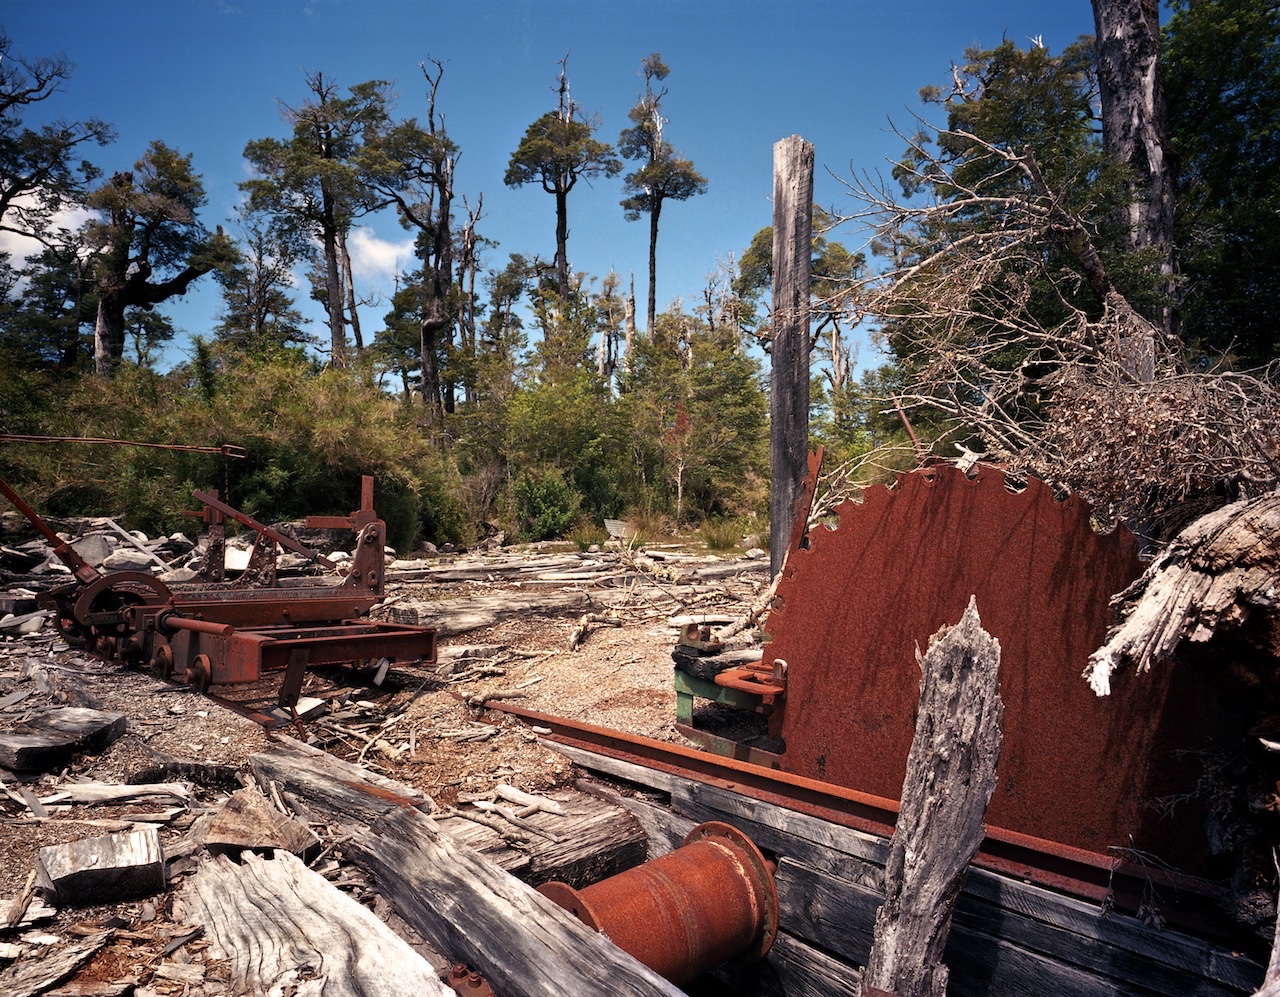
{"x":104,"y":792}
{"x":53,"y":737}
{"x":274,"y":918}
{"x":247,"y":820}
{"x":105,"y":869}
{"x":1079,"y":944}
{"x":32,"y":976}
{"x":593,"y":840}
{"x":520,"y":941}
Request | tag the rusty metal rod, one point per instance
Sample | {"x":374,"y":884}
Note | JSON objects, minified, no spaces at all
{"x":1093,"y":876}
{"x":82,"y":569}
{"x":227,"y":449}
{"x":266,"y":531}
{"x":199,"y":626}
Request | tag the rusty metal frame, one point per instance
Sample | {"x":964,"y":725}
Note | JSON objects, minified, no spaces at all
{"x":218,"y":634}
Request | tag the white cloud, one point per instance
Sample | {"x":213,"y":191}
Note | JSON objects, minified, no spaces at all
{"x":21,"y":247}
{"x":376,"y":259}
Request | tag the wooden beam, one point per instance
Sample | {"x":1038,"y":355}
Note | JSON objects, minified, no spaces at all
{"x":466,"y":907}
{"x":460,"y":901}
{"x":789,"y":318}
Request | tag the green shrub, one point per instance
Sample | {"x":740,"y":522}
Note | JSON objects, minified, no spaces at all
{"x":546,"y":504}
{"x":721,"y":534}
{"x":586,"y":534}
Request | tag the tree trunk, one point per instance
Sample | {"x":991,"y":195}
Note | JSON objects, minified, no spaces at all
{"x":629,"y":322}
{"x":789,"y":384}
{"x":431,"y":325}
{"x":349,"y":288}
{"x":333,"y":288}
{"x":108,"y":337}
{"x":1134,"y":123}
{"x":654,"y":212}
{"x":562,"y":246}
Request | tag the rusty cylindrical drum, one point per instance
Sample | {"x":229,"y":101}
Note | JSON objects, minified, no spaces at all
{"x":711,"y":899}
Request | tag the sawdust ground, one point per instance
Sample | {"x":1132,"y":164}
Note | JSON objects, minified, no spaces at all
{"x":619,"y":678}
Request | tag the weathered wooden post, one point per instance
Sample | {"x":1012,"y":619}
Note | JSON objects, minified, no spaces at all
{"x":789,"y":382}
{"x":951,"y":774}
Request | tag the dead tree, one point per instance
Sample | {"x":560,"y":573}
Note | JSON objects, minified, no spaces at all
{"x":951,"y":774}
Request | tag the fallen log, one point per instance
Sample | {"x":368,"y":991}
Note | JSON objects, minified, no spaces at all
{"x":273,"y":919}
{"x":520,"y":941}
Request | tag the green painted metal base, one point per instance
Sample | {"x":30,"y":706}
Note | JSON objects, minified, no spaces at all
{"x":688,"y":688}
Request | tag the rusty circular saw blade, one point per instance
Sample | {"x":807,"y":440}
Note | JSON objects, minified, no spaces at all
{"x":862,"y":597}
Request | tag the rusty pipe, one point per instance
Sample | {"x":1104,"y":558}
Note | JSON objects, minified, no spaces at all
{"x":711,"y":899}
{"x":173,"y":622}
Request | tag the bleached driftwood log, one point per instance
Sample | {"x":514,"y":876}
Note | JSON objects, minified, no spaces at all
{"x":276,"y":919}
{"x":1215,"y":575}
{"x":106,"y":869}
{"x":951,"y":774}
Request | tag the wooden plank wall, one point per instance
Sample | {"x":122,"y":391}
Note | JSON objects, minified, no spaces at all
{"x":1009,"y":938}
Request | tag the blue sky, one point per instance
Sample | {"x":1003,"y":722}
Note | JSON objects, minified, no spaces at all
{"x":207,"y":76}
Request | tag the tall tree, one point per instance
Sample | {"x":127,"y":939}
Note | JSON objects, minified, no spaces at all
{"x":662,"y":174}
{"x":39,"y":175}
{"x":556,"y":151}
{"x":258,"y":310}
{"x":412,"y":166}
{"x":312,"y":178}
{"x":1222,"y":72}
{"x":1134,"y":125}
{"x":1015,"y":310}
{"x":503,"y":332}
{"x":48,"y":302}
{"x":148,"y":229}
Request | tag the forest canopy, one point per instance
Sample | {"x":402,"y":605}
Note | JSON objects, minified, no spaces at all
{"x":501,"y":390}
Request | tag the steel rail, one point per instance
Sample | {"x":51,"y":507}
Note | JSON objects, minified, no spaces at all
{"x":1103,"y":879}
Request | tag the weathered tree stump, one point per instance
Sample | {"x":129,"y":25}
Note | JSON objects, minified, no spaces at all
{"x":951,"y":774}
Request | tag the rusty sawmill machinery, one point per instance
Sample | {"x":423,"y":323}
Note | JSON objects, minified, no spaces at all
{"x":214,"y":631}
{"x":1081,"y":777}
